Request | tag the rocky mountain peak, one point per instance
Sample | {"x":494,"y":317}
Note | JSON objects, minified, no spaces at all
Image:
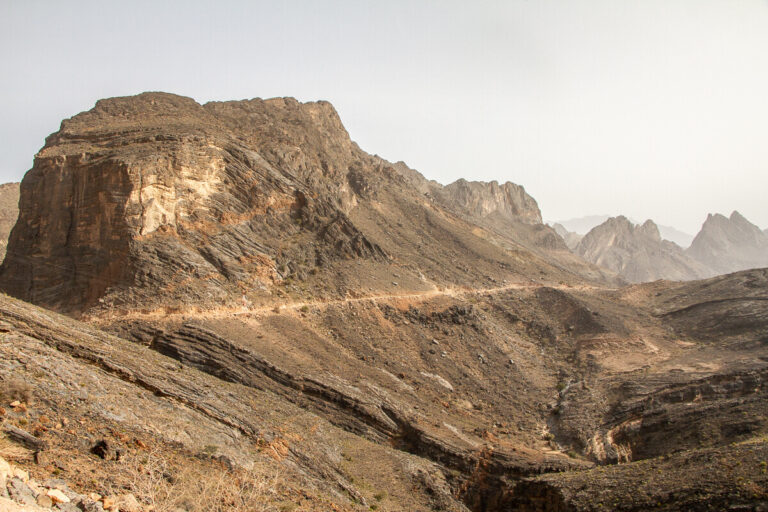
{"x":729,"y":244}
{"x":637,"y":253}
{"x":483,"y":199}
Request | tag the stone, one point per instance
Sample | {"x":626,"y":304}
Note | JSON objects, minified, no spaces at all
{"x":20,"y":492}
{"x":58,"y":496}
{"x":44,"y":500}
{"x":128,"y":503}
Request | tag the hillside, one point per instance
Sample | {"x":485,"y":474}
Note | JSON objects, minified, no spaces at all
{"x":253,"y":302}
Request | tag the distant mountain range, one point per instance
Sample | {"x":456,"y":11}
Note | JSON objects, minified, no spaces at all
{"x":638,"y":253}
{"x":582,"y":225}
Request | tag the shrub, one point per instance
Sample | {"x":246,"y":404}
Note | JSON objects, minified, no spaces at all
{"x":15,"y":389}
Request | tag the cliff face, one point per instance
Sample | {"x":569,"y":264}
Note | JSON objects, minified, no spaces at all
{"x":163,"y":192}
{"x":483,"y":199}
{"x":637,"y":252}
{"x":9,"y":212}
{"x":730,"y":244}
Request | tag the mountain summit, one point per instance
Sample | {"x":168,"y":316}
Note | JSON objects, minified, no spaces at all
{"x":637,"y":252}
{"x":730,"y":244}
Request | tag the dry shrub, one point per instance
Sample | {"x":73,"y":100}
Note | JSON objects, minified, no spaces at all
{"x":15,"y":389}
{"x":199,"y":486}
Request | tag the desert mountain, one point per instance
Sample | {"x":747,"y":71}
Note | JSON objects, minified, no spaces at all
{"x":156,"y":200}
{"x":729,"y":244}
{"x":510,"y":215}
{"x":637,"y":252}
{"x":9,"y":212}
{"x":257,"y":296}
{"x":483,"y":200}
{"x":571,"y":239}
{"x":582,"y":225}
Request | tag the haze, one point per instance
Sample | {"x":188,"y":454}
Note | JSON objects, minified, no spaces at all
{"x":651,"y":109}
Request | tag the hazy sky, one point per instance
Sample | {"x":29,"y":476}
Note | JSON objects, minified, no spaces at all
{"x":646,"y":108}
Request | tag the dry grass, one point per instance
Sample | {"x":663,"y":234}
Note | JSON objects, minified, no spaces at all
{"x":202,"y":486}
{"x":15,"y":389}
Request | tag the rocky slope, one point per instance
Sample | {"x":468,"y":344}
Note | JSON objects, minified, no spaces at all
{"x":730,"y":244}
{"x":266,"y":306}
{"x":637,"y":252}
{"x":9,"y":212}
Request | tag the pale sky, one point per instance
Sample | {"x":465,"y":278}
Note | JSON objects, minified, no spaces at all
{"x":648,"y":108}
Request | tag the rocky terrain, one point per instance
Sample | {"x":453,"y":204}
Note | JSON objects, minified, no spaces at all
{"x":730,"y":244}
{"x":637,"y":252}
{"x":9,"y":212}
{"x":261,"y":316}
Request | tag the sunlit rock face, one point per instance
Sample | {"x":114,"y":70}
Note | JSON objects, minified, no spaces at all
{"x":184,"y":198}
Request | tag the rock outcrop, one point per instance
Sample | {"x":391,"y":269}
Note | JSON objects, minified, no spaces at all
{"x":9,"y":212}
{"x":483,"y":199}
{"x":637,"y":252}
{"x":729,"y":244}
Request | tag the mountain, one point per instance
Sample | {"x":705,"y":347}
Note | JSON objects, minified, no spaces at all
{"x":571,"y":239}
{"x":485,"y":199}
{"x":261,"y":315}
{"x":637,"y":252}
{"x":729,"y":244}
{"x":9,"y":211}
{"x":583,"y":225}
{"x":179,"y":203}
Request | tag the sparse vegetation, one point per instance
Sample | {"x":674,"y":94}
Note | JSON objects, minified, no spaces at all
{"x":166,"y":487}
{"x":15,"y":389}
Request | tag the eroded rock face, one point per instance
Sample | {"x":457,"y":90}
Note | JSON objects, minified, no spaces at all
{"x":9,"y":212}
{"x":637,"y":252}
{"x":183,"y":198}
{"x":730,"y":244}
{"x":482,"y":199}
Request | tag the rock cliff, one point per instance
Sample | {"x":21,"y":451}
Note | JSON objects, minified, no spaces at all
{"x":9,"y":212}
{"x":730,"y":244}
{"x":483,"y":199}
{"x":637,"y":252}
